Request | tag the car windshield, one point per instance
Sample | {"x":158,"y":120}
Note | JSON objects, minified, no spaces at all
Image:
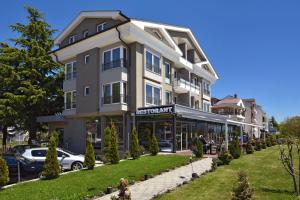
{"x":164,"y":144}
{"x":69,"y":152}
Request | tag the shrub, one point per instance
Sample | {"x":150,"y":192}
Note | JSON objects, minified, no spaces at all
{"x":263,"y":144}
{"x":226,"y":158}
{"x":273,"y":140}
{"x":197,"y":148}
{"x":107,"y":145}
{"x":51,"y":167}
{"x":135,"y":150}
{"x":214,"y":164}
{"x":154,"y":148}
{"x":114,"y":148}
{"x":55,"y":135}
{"x":257,"y":145}
{"x":4,"y":173}
{"x":243,"y":191}
{"x":89,"y":157}
{"x":268,"y":141}
{"x":235,"y":149}
{"x":249,"y":147}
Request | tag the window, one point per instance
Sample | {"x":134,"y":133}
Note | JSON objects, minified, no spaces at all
{"x":167,"y":73}
{"x":85,"y":34}
{"x":39,"y":153}
{"x":206,"y":106}
{"x":70,"y":100}
{"x":60,"y":154}
{"x":86,"y":59}
{"x":115,"y":93}
{"x":70,"y":70}
{"x":197,"y":104}
{"x":168,"y":98}
{"x":153,"y":95}
{"x":206,"y":87}
{"x":72,"y":39}
{"x":101,"y":27}
{"x":114,"y":58}
{"x":153,"y":62}
{"x":86,"y":91}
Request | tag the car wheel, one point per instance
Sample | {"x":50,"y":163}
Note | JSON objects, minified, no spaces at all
{"x":77,"y":166}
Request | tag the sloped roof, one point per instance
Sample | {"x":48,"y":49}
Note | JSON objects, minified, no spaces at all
{"x":229,"y":101}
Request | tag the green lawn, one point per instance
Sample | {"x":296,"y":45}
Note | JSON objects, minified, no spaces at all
{"x":79,"y":184}
{"x":266,"y":175}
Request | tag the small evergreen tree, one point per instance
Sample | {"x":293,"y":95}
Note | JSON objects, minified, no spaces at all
{"x":243,"y":191}
{"x":89,"y":157}
{"x":197,"y":148}
{"x":114,"y":148}
{"x":107,"y":145}
{"x":249,"y":147}
{"x":257,"y":145}
{"x":226,"y":158}
{"x":4,"y":173}
{"x":154,"y":148}
{"x":135,"y":150}
{"x":55,"y":135}
{"x":51,"y":167}
{"x":235,"y":149}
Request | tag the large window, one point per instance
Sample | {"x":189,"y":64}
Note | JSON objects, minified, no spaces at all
{"x":206,"y":106}
{"x":115,"y":93}
{"x":114,"y":58}
{"x":153,"y":95}
{"x":153,"y":62}
{"x":167,"y":73}
{"x":206,"y":88}
{"x":70,"y":70}
{"x":70,"y":100}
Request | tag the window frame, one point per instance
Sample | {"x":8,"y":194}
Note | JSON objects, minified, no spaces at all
{"x":72,"y":96}
{"x":153,"y":94}
{"x":87,"y":59}
{"x":102,"y":27}
{"x":170,"y":97}
{"x":85,"y":33}
{"x":122,"y":64}
{"x":73,"y":38}
{"x":168,"y":80}
{"x":73,"y":63}
{"x":85,"y":91}
{"x":122,"y":95}
{"x":152,"y":62}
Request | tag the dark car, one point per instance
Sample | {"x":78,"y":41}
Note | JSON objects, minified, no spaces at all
{"x":11,"y":162}
{"x":21,"y":148}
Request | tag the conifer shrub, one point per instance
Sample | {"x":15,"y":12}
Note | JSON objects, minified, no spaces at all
{"x":4,"y":173}
{"x":226,"y":158}
{"x":51,"y":168}
{"x":135,"y":150}
{"x":234,"y":149}
{"x":107,"y":145}
{"x":257,"y":145}
{"x":249,"y":147}
{"x":197,"y":148}
{"x":273,"y":140}
{"x":89,"y":157}
{"x":243,"y":191}
{"x":114,"y":148}
{"x":214,"y":164}
{"x":268,"y":141}
{"x":263,"y":144}
{"x":154,"y":148}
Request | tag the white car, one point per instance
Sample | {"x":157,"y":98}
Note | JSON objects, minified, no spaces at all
{"x":67,"y":159}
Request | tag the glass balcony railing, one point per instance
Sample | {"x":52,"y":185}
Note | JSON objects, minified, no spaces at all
{"x":114,"y":99}
{"x":114,"y":64}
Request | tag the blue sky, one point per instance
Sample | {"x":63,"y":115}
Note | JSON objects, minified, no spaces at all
{"x":253,"y":45}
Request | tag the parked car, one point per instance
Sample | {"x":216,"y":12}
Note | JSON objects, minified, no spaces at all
{"x":165,"y":146}
{"x":67,"y":159}
{"x":21,"y":148}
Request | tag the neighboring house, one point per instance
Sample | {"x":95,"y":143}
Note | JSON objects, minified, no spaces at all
{"x":134,"y":73}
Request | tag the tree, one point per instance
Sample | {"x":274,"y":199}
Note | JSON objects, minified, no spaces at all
{"x":291,"y":126}
{"x":89,"y":157}
{"x":243,"y":191}
{"x":274,"y":122}
{"x":234,"y":149}
{"x":107,"y":145}
{"x":51,"y":167}
{"x":135,"y":150}
{"x":154,"y":148}
{"x":40,"y":76}
{"x":4,"y":174}
{"x":197,"y":148}
{"x":114,"y":148}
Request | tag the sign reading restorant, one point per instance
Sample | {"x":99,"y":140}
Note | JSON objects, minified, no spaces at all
{"x":155,"y":110}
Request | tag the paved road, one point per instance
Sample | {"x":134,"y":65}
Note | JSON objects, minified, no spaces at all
{"x":146,"y":190}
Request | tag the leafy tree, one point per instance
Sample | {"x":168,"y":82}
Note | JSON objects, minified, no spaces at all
{"x":135,"y":150}
{"x":197,"y":148}
{"x":114,"y":148}
{"x":274,"y":122}
{"x":4,"y":174}
{"x":89,"y":157}
{"x":107,"y":145}
{"x":234,"y":149}
{"x":243,"y":191}
{"x":40,"y":76}
{"x":154,"y":148}
{"x":291,"y":126}
{"x":51,"y":167}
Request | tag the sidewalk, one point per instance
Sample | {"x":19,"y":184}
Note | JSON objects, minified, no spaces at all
{"x":146,"y":190}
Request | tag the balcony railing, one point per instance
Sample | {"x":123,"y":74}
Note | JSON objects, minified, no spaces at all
{"x":153,"y":68}
{"x":70,"y":75}
{"x":114,"y":64}
{"x":154,"y":101}
{"x":114,"y":99}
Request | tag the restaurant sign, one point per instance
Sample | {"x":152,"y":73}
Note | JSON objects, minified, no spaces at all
{"x":156,"y":110}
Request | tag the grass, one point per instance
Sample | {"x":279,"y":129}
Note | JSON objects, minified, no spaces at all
{"x":80,"y":184}
{"x":266,"y":176}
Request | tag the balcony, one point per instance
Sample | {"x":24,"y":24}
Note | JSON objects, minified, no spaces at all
{"x":181,"y":85}
{"x":121,"y":63}
{"x":116,"y":99}
{"x":153,"y":68}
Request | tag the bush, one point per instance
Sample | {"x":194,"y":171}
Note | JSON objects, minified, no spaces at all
{"x":107,"y":145}
{"x":135,"y":150}
{"x":51,"y":167}
{"x":226,"y":158}
{"x":257,"y":145}
{"x":4,"y":173}
{"x":273,"y":140}
{"x":89,"y":157}
{"x":263,"y":145}
{"x":249,"y":147}
{"x":268,"y":141}
{"x":235,"y":149}
{"x":243,"y":191}
{"x":197,"y":148}
{"x":154,"y":148}
{"x":214,"y":164}
{"x":114,"y":149}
